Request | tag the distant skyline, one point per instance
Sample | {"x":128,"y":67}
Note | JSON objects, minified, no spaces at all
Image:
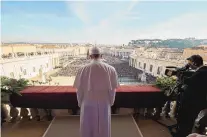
{"x":102,"y":22}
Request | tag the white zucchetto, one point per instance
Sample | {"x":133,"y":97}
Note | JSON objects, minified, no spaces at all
{"x":95,"y":50}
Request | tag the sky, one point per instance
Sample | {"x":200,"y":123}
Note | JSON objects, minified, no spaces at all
{"x":102,"y":22}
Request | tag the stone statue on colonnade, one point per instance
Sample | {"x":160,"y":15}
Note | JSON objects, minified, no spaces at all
{"x":143,"y":77}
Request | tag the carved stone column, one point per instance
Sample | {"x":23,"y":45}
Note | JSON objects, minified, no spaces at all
{"x":157,"y":113}
{"x":35,"y":114}
{"x":173,"y":110}
{"x":14,"y":113}
{"x":43,"y":114}
{"x":149,"y":112}
{"x":24,"y":114}
{"x":166,"y":109}
{"x":49,"y":114}
{"x":4,"y":113}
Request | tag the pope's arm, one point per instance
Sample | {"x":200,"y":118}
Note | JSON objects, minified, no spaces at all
{"x":77,"y":85}
{"x":114,"y":85}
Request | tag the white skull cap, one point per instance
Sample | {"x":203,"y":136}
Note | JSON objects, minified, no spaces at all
{"x":95,"y":50}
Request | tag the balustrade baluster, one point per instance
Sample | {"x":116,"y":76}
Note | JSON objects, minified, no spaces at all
{"x":14,"y":113}
{"x":35,"y":114}
{"x":4,"y":113}
{"x":24,"y":113}
{"x":43,"y":113}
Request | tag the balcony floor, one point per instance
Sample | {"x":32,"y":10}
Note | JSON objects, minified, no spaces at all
{"x":148,"y":128}
{"x":24,"y":129}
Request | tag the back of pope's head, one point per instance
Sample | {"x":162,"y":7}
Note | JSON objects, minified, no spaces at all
{"x":95,"y":52}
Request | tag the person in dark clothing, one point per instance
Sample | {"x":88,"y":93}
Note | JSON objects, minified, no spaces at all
{"x":194,"y":97}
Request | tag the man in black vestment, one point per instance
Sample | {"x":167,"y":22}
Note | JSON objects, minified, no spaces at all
{"x":194,"y":97}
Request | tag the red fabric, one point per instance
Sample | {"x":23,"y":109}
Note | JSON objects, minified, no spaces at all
{"x":70,"y":89}
{"x":139,"y":88}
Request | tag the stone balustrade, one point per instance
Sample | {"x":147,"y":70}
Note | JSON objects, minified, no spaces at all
{"x":12,"y":114}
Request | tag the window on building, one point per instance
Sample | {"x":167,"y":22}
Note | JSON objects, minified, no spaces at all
{"x":139,"y":64}
{"x":47,"y":65}
{"x":144,"y":65}
{"x":12,"y":74}
{"x":151,"y":67}
{"x":34,"y":69}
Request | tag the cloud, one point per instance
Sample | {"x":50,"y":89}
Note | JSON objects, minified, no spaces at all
{"x":41,"y":15}
{"x":186,"y":25}
{"x":110,"y":30}
{"x":131,"y":6}
{"x":126,"y":13}
{"x":80,"y":10}
{"x":106,"y":30}
{"x":183,"y":26}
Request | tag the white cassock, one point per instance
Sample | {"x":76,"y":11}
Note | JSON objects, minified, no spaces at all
{"x":96,"y":84}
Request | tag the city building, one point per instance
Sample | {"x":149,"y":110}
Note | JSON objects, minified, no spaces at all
{"x":155,"y":60}
{"x":121,"y":52}
{"x":200,"y":50}
{"x":28,"y":61}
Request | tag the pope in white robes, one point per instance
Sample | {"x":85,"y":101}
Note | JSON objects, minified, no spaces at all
{"x":96,"y":84}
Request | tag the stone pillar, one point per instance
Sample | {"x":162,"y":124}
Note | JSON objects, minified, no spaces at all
{"x":157,"y":112}
{"x":173,"y":110}
{"x":14,"y":113}
{"x":35,"y":114}
{"x":42,"y":113}
{"x":130,"y":62}
{"x":24,"y":114}
{"x":4,"y":113}
{"x":45,"y":114}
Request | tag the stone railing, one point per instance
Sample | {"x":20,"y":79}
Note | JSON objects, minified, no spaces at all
{"x":13,"y":114}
